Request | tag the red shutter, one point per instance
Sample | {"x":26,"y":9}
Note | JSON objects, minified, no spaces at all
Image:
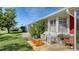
{"x":71,"y":25}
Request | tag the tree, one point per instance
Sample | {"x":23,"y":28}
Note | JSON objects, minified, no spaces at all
{"x":1,"y":18}
{"x":9,"y":18}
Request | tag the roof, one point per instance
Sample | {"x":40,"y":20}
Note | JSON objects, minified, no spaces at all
{"x":52,"y":14}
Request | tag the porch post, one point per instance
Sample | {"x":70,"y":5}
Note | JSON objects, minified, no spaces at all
{"x":49,"y":28}
{"x":68,"y":24}
{"x":57,"y":22}
{"x":48,"y":25}
{"x":74,"y":29}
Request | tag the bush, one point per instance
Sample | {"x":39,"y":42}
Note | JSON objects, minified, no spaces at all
{"x":61,"y":36}
{"x":14,"y":29}
{"x":67,"y":36}
{"x":37,"y":29}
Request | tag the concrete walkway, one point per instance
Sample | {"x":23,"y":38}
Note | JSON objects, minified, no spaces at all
{"x":45,"y":47}
{"x":26,"y":36}
{"x":50,"y":47}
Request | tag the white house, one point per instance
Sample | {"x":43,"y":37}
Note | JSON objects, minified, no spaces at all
{"x":61,"y":22}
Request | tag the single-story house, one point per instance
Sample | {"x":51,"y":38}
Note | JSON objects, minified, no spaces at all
{"x":61,"y":21}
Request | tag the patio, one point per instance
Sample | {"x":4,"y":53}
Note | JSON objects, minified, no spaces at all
{"x":50,"y":47}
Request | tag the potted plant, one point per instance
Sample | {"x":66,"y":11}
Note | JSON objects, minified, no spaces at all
{"x":66,"y":39}
{"x":61,"y":38}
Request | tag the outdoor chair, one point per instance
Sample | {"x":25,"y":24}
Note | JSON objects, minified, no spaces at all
{"x":52,"y":37}
{"x":44,"y":36}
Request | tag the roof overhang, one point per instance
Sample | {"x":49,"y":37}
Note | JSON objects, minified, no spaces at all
{"x":60,"y":13}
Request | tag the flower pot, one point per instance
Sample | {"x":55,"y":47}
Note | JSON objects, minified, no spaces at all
{"x":37,"y":42}
{"x":66,"y":40}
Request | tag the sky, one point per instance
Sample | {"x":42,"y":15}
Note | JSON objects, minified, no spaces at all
{"x":27,"y":15}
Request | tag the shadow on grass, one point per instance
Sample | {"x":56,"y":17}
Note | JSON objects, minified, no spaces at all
{"x":3,"y":38}
{"x":12,"y":36}
{"x":15,"y":32}
{"x":10,"y":33}
{"x":3,"y":34}
{"x":16,"y":47}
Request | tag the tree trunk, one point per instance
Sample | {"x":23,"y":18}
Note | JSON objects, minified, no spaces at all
{"x":8,"y":29}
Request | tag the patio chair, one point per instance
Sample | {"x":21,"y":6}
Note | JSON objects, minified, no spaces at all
{"x":44,"y":36}
{"x":52,"y":37}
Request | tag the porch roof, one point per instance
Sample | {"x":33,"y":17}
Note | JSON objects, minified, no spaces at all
{"x":62,"y":12}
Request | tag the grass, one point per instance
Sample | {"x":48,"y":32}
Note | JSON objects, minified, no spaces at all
{"x":13,"y":42}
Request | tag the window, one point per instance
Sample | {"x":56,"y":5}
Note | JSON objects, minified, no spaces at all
{"x":53,"y":25}
{"x":62,"y":27}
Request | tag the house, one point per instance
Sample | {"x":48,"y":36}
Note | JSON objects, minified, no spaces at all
{"x":61,"y":22}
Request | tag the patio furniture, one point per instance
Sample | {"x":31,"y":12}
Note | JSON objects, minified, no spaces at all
{"x":44,"y":36}
{"x":49,"y":37}
{"x":52,"y":37}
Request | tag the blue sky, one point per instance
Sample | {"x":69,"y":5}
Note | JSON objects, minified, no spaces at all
{"x":27,"y":15}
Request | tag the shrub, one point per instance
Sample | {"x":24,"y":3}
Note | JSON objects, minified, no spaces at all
{"x":61,"y":36}
{"x":14,"y":29}
{"x":37,"y":29}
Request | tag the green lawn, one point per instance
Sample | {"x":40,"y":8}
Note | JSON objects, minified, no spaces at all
{"x":13,"y":42}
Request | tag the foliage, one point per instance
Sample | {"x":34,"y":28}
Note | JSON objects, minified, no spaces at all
{"x":9,"y":18}
{"x":37,"y":28}
{"x":62,"y":36}
{"x":1,"y":18}
{"x":67,"y":36}
{"x":15,"y":29}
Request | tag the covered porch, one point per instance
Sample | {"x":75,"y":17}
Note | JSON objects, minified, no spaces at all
{"x":60,"y":23}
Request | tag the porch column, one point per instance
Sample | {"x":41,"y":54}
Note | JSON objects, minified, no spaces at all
{"x":49,"y":28}
{"x":75,"y":29}
{"x":48,"y":25}
{"x":57,"y":22}
{"x":68,"y":23}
